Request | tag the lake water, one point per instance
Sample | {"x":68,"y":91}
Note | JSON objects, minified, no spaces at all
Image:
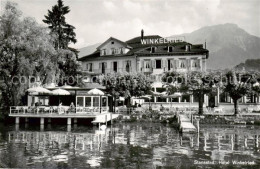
{"x":128,"y":145}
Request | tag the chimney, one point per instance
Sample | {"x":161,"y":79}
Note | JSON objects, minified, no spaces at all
{"x":142,"y":34}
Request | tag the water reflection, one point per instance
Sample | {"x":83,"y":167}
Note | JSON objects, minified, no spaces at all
{"x":126,"y":146}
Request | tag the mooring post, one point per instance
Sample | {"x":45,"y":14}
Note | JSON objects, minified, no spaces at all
{"x":17,"y":120}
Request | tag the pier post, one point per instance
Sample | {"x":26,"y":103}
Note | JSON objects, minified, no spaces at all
{"x":17,"y":120}
{"x":75,"y":120}
{"x":49,"y":120}
{"x":26,"y":120}
{"x":198,"y":125}
{"x":69,"y":128}
{"x":42,"y":127}
{"x":111,"y":118}
{"x":16,"y":127}
{"x":106,"y":119}
{"x":69,"y":121}
{"x":42,"y":121}
{"x":256,"y":141}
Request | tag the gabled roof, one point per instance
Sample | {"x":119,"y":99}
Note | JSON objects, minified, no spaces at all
{"x":138,"y":49}
{"x":114,"y":39}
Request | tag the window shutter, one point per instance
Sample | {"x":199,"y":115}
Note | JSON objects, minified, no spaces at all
{"x":130,"y":66}
{"x":165,"y":64}
{"x":111,"y":68}
{"x":124,"y":65}
{"x":100,"y":65}
{"x":154,"y":64}
{"x":105,"y":64}
{"x":87,"y":66}
{"x":198,"y":61}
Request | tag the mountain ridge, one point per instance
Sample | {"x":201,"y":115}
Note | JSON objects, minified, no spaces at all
{"x":228,"y":45}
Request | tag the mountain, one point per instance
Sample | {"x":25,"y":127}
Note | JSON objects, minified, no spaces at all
{"x":88,"y":50}
{"x":228,"y":45}
{"x":250,"y":64}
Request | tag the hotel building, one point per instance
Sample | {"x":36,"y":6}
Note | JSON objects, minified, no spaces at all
{"x":151,"y":55}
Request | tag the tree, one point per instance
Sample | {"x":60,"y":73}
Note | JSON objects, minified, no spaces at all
{"x":196,"y":83}
{"x":237,"y":85}
{"x":126,"y":85}
{"x":25,"y":50}
{"x":63,"y":31}
{"x":63,"y":34}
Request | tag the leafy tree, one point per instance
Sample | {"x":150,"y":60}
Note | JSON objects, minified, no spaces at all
{"x":126,"y":85}
{"x":63,"y":34}
{"x":237,"y":84}
{"x":25,"y":50}
{"x":196,"y":83}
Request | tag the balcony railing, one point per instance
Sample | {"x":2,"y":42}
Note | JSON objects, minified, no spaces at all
{"x":105,"y":71}
{"x":37,"y":110}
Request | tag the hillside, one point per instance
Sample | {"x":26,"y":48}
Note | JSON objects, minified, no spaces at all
{"x":250,"y":64}
{"x":228,"y":45}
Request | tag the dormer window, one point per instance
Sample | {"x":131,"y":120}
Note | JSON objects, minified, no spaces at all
{"x":103,"y":52}
{"x":152,"y":49}
{"x":121,"y":51}
{"x":170,"y":48}
{"x":188,"y":48}
{"x":112,"y":51}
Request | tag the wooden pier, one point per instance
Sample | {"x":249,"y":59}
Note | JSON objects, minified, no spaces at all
{"x":98,"y":118}
{"x":186,"y":125}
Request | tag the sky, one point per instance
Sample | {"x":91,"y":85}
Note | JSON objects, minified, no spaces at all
{"x":97,"y":20}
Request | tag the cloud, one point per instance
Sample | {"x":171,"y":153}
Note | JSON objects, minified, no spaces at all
{"x":97,"y":20}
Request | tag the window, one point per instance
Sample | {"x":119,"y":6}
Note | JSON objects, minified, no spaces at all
{"x":152,"y":49}
{"x":112,"y":51}
{"x":115,"y":66}
{"x":170,"y":65}
{"x":80,"y":101}
{"x":112,"y":42}
{"x":121,"y":51}
{"x":194,"y":63}
{"x":127,"y":66}
{"x":104,"y":101}
{"x":95,"y":101}
{"x":147,"y":64}
{"x":170,"y":48}
{"x":103,"y":67}
{"x":90,"y":67}
{"x":182,"y":65}
{"x":104,"y":52}
{"x":158,"y":64}
{"x":87,"y":101}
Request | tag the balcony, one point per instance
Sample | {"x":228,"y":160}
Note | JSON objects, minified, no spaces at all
{"x":147,"y":70}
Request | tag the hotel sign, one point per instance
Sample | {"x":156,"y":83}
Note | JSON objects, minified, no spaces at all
{"x":162,"y":40}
